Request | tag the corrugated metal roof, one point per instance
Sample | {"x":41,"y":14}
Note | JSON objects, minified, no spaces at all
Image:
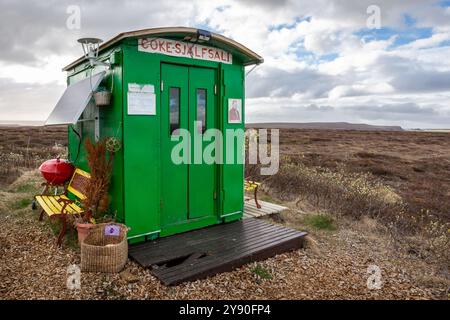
{"x":249,"y":57}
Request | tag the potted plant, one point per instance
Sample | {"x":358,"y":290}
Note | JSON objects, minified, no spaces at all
{"x":97,"y":198}
{"x":83,"y":227}
{"x":102,"y":96}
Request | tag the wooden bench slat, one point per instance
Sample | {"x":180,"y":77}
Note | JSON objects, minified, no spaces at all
{"x":251,"y":185}
{"x":70,"y":209}
{"x":72,"y":206}
{"x":48,"y":209}
{"x":56,"y":204}
{"x":51,"y":205}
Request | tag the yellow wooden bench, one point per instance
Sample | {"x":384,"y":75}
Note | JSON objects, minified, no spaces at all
{"x":59,"y":206}
{"x":250,"y":185}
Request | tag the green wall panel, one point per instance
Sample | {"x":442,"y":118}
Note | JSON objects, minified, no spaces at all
{"x":141,"y":147}
{"x":233,"y":174}
{"x":110,"y":125}
{"x":136,"y":182}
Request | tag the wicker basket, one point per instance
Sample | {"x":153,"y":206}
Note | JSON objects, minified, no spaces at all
{"x":102,"y":98}
{"x":104,"y":253}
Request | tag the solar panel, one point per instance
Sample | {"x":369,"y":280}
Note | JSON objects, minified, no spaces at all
{"x":74,"y":100}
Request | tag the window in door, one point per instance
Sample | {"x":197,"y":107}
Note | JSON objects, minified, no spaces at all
{"x":201,"y":110}
{"x":174,"y":107}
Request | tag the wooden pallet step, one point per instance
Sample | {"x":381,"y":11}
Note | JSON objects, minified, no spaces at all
{"x":205,"y":252}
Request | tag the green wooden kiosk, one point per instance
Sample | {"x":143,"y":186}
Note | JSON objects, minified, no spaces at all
{"x":162,"y":80}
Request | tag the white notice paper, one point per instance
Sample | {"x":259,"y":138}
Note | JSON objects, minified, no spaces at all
{"x":141,"y":99}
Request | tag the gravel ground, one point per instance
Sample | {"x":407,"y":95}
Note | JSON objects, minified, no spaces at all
{"x":333,"y":266}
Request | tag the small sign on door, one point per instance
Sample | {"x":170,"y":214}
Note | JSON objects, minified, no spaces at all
{"x":234,"y":111}
{"x":141,"y":99}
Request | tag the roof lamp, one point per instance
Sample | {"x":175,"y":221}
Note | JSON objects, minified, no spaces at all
{"x":90,"y":49}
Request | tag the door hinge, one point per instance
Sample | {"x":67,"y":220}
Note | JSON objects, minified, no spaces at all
{"x":215,"y":195}
{"x":162,"y":86}
{"x":215,"y":89}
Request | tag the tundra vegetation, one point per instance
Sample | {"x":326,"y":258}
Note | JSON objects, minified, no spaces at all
{"x":365,"y":197}
{"x":400,"y":179}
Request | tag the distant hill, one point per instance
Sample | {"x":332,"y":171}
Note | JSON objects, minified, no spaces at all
{"x":265,"y":125}
{"x":323,"y":125}
{"x":20,"y":123}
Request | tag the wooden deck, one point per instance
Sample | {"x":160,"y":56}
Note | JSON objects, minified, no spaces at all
{"x":267,"y":208}
{"x":205,"y":252}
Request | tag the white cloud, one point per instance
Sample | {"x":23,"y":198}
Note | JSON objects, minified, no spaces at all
{"x":21,"y":101}
{"x":295,"y":37}
{"x":432,"y":41}
{"x":360,"y":89}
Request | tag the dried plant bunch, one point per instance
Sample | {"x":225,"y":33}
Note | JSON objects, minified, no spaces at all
{"x":100,"y":165}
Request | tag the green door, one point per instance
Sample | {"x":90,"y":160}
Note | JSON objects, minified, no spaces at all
{"x":188,"y":109}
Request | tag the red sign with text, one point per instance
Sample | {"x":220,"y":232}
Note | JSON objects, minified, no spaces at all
{"x":184,"y":49}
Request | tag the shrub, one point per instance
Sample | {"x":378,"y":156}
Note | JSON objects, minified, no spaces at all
{"x":261,"y":272}
{"x":22,"y":203}
{"x":361,"y":194}
{"x":352,"y":194}
{"x":100,"y":166}
{"x":320,"y":221}
{"x":424,"y":235}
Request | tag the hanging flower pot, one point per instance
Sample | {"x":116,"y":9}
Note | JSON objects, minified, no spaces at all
{"x":102,"y":97}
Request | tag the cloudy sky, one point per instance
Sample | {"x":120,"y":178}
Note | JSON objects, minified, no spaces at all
{"x":324,"y":60}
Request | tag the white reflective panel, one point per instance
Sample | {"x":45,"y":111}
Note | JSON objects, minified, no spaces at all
{"x":74,"y":100}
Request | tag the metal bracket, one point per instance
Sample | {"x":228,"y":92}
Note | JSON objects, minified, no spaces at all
{"x":144,"y":234}
{"x":230,"y":214}
{"x":97,"y":124}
